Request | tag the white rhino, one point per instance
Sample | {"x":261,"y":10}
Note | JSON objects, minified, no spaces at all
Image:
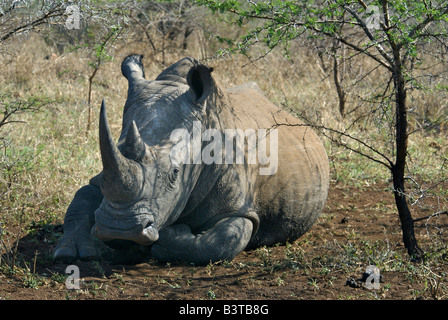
{"x":194,"y":209}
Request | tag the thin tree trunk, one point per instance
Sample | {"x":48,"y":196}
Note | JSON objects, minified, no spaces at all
{"x":338,"y":78}
{"x":89,"y":99}
{"x":398,"y":169}
{"x":339,"y":89}
{"x":407,"y":223}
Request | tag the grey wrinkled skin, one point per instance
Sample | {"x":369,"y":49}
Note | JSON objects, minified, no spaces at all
{"x":194,"y":213}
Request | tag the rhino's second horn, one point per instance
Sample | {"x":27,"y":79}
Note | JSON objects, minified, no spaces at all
{"x":135,"y":148}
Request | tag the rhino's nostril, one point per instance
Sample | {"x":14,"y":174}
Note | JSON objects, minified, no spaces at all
{"x":149,"y":224}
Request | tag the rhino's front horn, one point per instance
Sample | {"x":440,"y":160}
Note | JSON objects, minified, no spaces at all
{"x":122,"y":178}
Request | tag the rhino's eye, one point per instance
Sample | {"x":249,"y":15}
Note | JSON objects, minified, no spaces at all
{"x":174,"y":175}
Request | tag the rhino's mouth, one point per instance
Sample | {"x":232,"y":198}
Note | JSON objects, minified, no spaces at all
{"x":141,"y":231}
{"x":144,"y":236}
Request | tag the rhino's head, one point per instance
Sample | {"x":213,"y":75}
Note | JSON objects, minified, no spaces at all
{"x":144,"y":189}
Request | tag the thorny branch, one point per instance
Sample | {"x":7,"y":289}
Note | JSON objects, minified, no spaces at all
{"x":431,"y":216}
{"x":385,"y":162}
{"x":57,"y":10}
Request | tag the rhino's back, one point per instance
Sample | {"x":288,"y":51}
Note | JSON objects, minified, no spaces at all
{"x":290,"y":201}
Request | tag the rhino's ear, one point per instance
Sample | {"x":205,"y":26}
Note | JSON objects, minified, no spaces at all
{"x":200,"y":81}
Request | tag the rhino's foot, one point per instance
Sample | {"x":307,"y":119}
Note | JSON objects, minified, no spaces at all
{"x":70,"y":248}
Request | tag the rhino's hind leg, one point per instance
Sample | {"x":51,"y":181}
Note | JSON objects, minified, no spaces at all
{"x":223,"y":241}
{"x":76,"y":241}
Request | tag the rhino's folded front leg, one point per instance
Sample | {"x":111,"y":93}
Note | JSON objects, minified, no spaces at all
{"x":76,"y":241}
{"x":223,"y":241}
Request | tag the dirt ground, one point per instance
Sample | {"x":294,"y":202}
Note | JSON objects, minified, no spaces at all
{"x":319,"y":266}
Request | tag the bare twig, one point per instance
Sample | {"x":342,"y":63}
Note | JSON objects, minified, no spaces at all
{"x":431,"y":216}
{"x":145,"y":30}
{"x":385,"y":162}
{"x":56,"y":11}
{"x":366,"y":30}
